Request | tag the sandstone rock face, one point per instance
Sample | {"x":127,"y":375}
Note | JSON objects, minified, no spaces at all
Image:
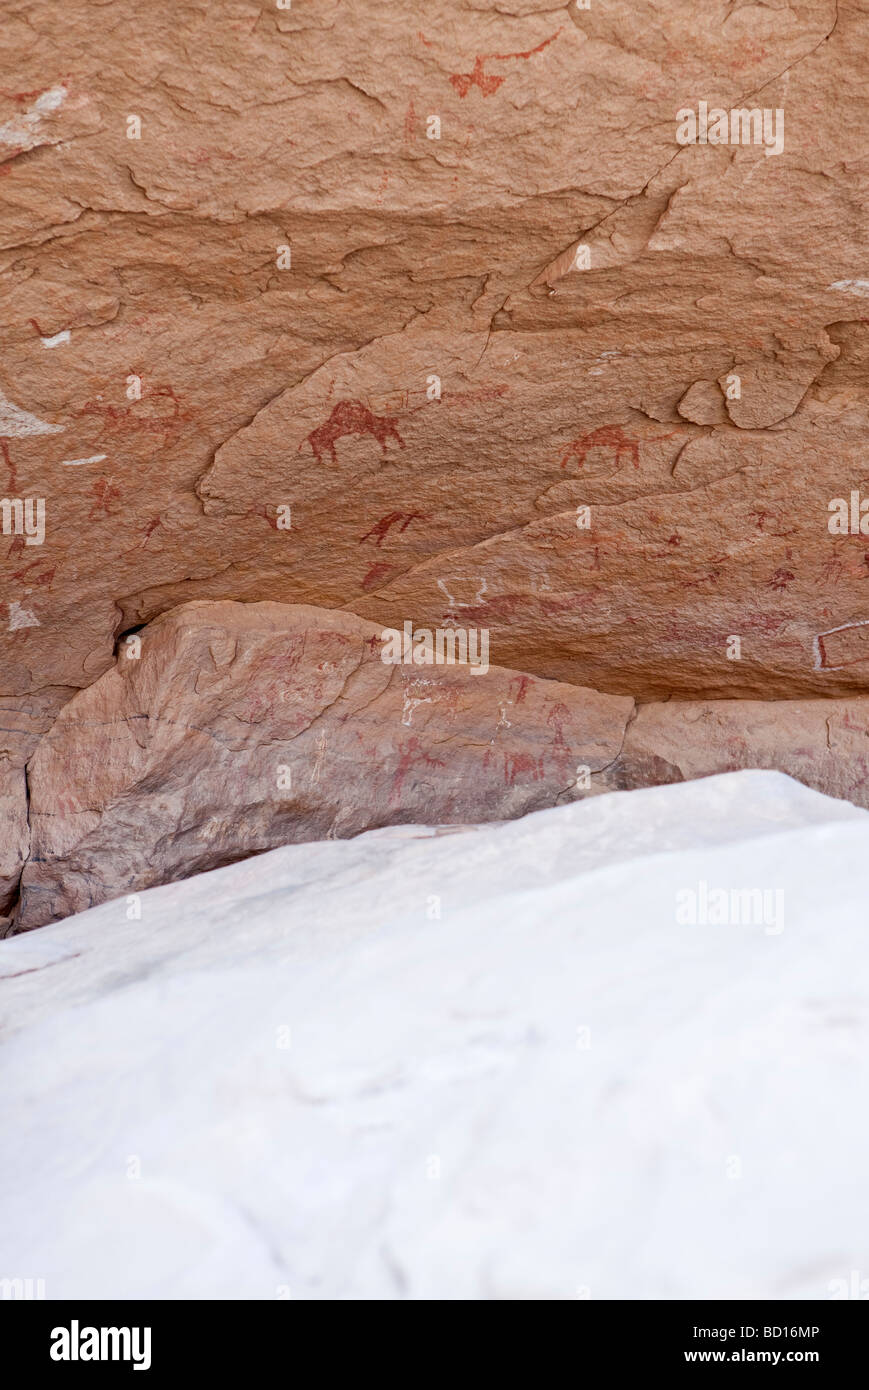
{"x":430,"y":314}
{"x":239,"y":727}
{"x":228,"y":285}
{"x":823,"y":743}
{"x":22,"y":720}
{"x":227,"y":729}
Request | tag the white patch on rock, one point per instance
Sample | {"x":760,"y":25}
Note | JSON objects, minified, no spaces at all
{"x":470,"y":589}
{"x":16,"y":423}
{"x":19,"y":616}
{"x":859,"y":287}
{"x":21,"y":130}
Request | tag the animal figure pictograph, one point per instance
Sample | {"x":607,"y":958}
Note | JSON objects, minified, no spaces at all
{"x":609,"y":437}
{"x":351,"y":418}
{"x":132,"y":419}
{"x":489,"y":83}
{"x":401,"y":519}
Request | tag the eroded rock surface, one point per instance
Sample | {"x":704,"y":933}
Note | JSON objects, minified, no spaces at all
{"x":823,"y":743}
{"x":23,"y":719}
{"x":243,"y":307}
{"x":226,"y":729}
{"x":240,"y":727}
{"x":426,"y":314}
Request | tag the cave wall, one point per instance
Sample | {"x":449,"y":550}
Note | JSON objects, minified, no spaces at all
{"x":427,"y":313}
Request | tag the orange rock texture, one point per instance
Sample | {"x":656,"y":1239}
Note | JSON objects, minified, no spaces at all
{"x":551,"y":323}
